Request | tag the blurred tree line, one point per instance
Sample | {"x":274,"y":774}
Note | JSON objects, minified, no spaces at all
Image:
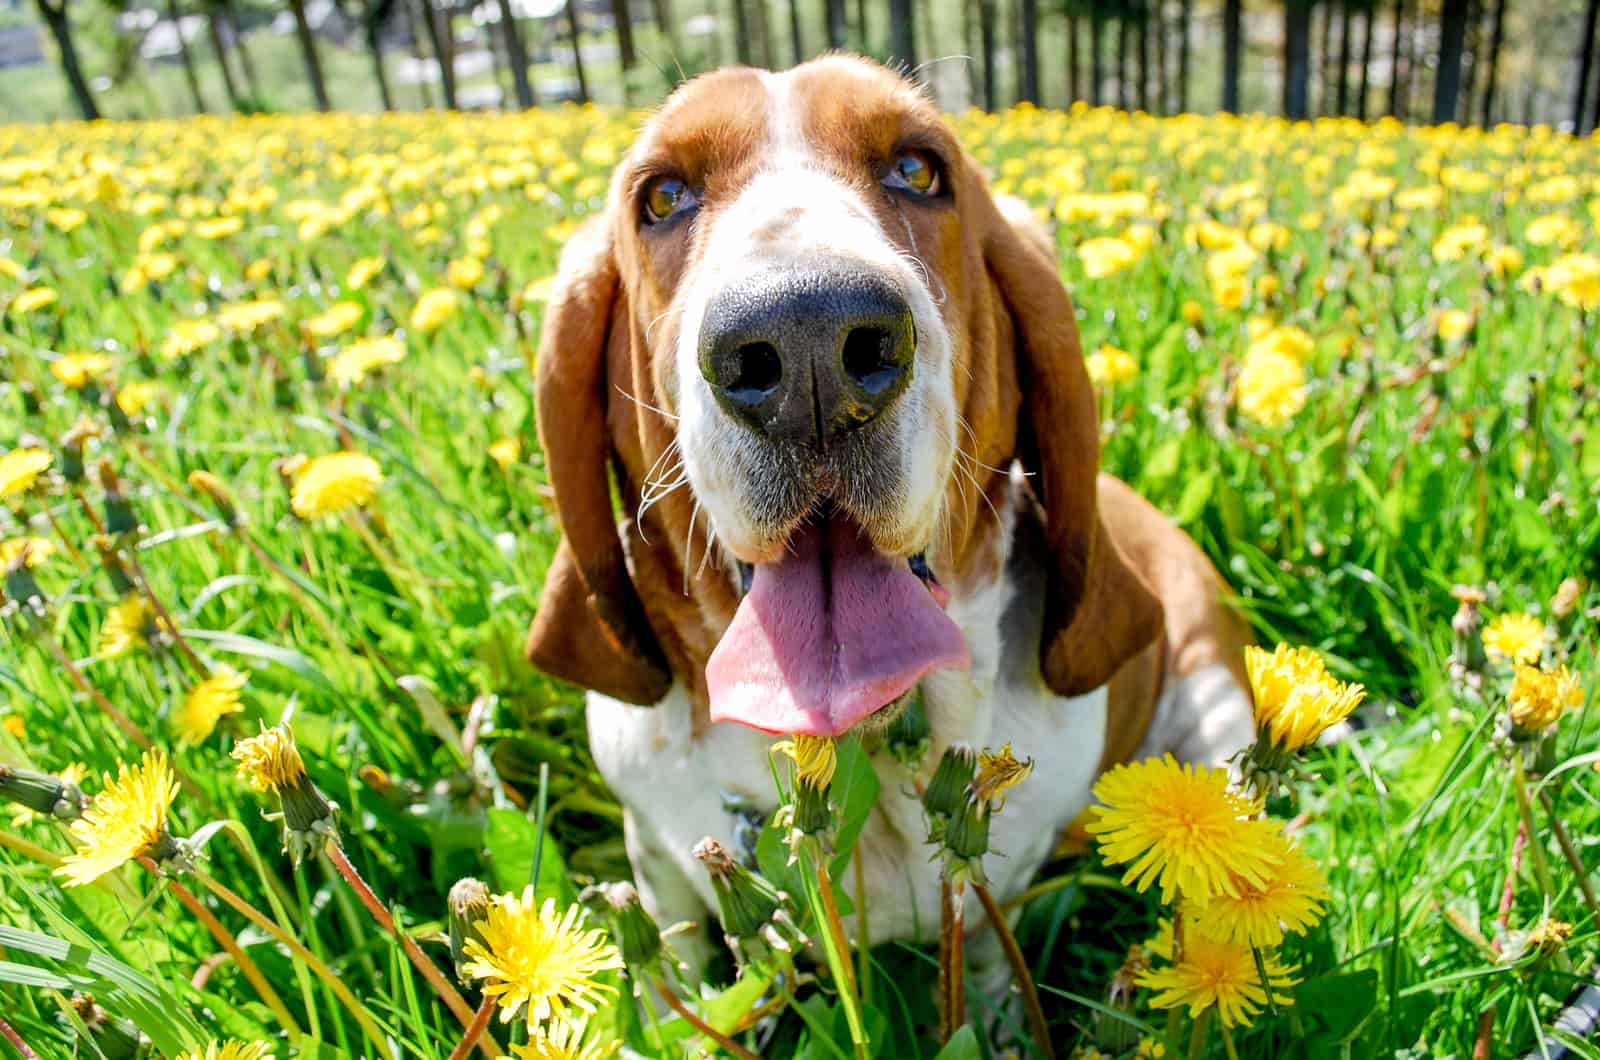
{"x":1418,"y":60}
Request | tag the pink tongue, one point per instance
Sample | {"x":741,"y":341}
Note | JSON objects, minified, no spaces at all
{"x":828,"y":634}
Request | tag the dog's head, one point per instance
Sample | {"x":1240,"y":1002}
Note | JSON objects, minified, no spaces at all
{"x":811,"y":343}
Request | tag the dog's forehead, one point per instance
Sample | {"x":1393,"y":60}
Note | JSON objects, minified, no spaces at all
{"x":724,"y":125}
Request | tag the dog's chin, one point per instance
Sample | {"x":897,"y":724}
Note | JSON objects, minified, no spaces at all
{"x":875,"y":726}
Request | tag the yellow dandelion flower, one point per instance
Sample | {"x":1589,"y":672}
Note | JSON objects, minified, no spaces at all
{"x":1538,"y":697}
{"x":1289,"y":899}
{"x":352,"y":364}
{"x":75,"y":773}
{"x":506,"y":452}
{"x":207,"y":703}
{"x":999,"y":772}
{"x":270,"y":761}
{"x":1213,"y":973}
{"x":1516,"y":636}
{"x":20,"y":469}
{"x":335,"y":483}
{"x":127,"y":628}
{"x":563,"y":1040}
{"x":539,"y":960}
{"x":14,"y":724}
{"x":218,"y":227}
{"x":1106,"y":256}
{"x":187,"y":336}
{"x":77,"y":370}
{"x":1455,"y":324}
{"x":34,"y":299}
{"x":1287,"y":340}
{"x":39,"y":549}
{"x":1182,"y":827}
{"x":258,"y":270}
{"x":1296,"y":699}
{"x":1271,"y":388}
{"x":363,"y":272}
{"x":1549,"y":937}
{"x":242,"y":318}
{"x":464,"y":273}
{"x":127,"y":820}
{"x":434,"y":309}
{"x":133,"y":398}
{"x":1109,"y":366}
{"x":230,"y":1050}
{"x":335,"y":320}
{"x":1454,"y":242}
{"x":66,"y":218}
{"x":539,"y":290}
{"x":815,"y":758}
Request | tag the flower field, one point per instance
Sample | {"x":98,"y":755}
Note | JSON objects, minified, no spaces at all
{"x":274,"y":522}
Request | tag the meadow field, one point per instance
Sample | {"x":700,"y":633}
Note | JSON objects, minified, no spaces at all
{"x":268,"y":465}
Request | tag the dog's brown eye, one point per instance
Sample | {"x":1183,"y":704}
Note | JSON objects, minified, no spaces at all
{"x":665,"y":198}
{"x":914,"y":171}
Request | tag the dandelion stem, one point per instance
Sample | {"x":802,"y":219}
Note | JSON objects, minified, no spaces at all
{"x":72,"y":549}
{"x":701,"y":1025}
{"x":121,"y":720}
{"x":863,"y":930}
{"x":1019,"y":971}
{"x":1227,"y":1041}
{"x":1541,"y":868}
{"x":1197,"y":1035}
{"x":200,"y":668}
{"x":16,"y":1041}
{"x":475,"y":1029}
{"x":837,"y":950}
{"x":322,"y":971}
{"x":31,"y":851}
{"x":430,"y":971}
{"x":1570,"y":852}
{"x":225,"y":939}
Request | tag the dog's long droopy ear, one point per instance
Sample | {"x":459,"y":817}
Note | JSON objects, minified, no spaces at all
{"x":590,"y":628}
{"x":1098,"y":612}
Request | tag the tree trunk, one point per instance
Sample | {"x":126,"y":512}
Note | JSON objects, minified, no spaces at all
{"x":1142,"y":87}
{"x":1469,"y":74}
{"x":1296,"y":59}
{"x":902,"y":33}
{"x":414,"y":30}
{"x":1585,"y":60}
{"x":627,"y":54}
{"x":1124,"y":97}
{"x":1097,"y":63}
{"x":864,"y":30}
{"x":1397,"y":94}
{"x":986,"y":28}
{"x":1492,"y":61}
{"x":1325,"y":53}
{"x":1343,"y":96}
{"x":1028,"y":49}
{"x":219,"y":44}
{"x":1366,"y":61}
{"x":1072,"y":59}
{"x":1452,"y":35}
{"x":667,"y":26}
{"x":577,"y":51}
{"x":517,"y":54}
{"x":308,"y":51}
{"x":246,"y":64}
{"x":760,"y":34}
{"x":1232,"y":48}
{"x":797,"y":40}
{"x":61,"y":29}
{"x":741,"y":32}
{"x":442,"y":37}
{"x":838,"y":20}
{"x":189,"y":73}
{"x":1158,"y":27}
{"x":1183,"y":56}
{"x":372,"y":20}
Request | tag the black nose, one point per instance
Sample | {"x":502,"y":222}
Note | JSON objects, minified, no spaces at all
{"x":809,"y":353}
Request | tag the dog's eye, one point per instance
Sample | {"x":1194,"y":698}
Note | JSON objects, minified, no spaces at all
{"x":665,"y":198}
{"x":915,"y":171}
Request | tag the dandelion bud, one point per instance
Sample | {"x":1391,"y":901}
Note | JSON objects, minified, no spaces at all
{"x":966,"y":837}
{"x":43,"y":793}
{"x":217,"y":492}
{"x":946,"y":795}
{"x":114,"y":1038}
{"x":30,"y":399}
{"x":1550,"y":937}
{"x":20,"y":583}
{"x":909,"y":733}
{"x":1565,"y":601}
{"x":636,"y":934}
{"x":998,"y":772}
{"x":1119,"y":1035}
{"x":72,"y":447}
{"x":745,"y":901}
{"x":468,"y":903}
{"x":120,"y":518}
{"x":272,"y":762}
{"x":111,"y":561}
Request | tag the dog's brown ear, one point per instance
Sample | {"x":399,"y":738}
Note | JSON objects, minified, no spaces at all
{"x":1098,"y":612}
{"x":590,"y":628}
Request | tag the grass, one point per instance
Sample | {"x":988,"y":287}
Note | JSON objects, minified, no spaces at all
{"x":391,"y":637}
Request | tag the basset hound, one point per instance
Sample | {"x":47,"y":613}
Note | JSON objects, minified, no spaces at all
{"x":837,"y":388}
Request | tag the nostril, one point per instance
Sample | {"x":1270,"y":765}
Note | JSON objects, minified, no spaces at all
{"x":869,"y":359}
{"x":757,"y":370}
